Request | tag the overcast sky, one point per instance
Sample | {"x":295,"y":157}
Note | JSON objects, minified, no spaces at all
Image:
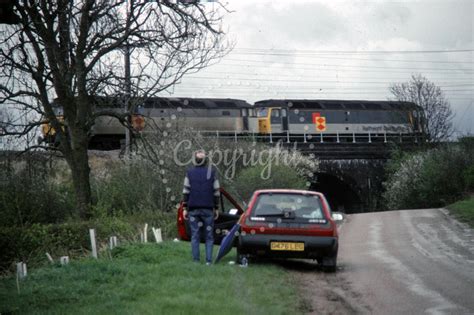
{"x":343,"y":50}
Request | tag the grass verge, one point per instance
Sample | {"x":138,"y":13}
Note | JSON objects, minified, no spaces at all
{"x":464,"y":210}
{"x":151,"y":279}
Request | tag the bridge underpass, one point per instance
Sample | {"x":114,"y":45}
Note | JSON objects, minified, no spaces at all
{"x":341,"y":195}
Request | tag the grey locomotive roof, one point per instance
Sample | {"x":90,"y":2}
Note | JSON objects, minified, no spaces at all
{"x":338,"y":104}
{"x":162,"y":102}
{"x":174,"y":102}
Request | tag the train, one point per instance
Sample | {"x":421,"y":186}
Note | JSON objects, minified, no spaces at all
{"x":335,"y":120}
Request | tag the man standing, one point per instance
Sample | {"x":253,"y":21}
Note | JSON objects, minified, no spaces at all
{"x":201,"y":203}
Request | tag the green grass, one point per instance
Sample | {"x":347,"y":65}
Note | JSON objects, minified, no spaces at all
{"x":464,"y":210}
{"x":151,"y":279}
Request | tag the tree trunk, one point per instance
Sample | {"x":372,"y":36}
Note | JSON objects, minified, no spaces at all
{"x":76,"y":157}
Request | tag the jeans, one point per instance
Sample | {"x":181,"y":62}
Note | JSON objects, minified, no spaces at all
{"x":202,"y":218}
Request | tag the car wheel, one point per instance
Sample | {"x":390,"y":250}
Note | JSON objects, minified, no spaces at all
{"x":329,"y":264}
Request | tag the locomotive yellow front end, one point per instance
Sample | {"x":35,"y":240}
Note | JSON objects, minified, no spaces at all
{"x":48,"y":132}
{"x":264,"y":124}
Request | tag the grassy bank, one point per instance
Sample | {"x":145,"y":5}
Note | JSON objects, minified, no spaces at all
{"x":151,"y":279}
{"x":464,"y":210}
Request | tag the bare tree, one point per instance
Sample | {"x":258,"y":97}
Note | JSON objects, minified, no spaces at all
{"x":63,"y":53}
{"x":437,"y":120}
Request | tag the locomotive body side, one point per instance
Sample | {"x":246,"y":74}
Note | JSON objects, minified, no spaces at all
{"x":337,"y":117}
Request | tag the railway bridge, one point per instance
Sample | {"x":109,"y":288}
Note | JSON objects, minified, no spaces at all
{"x":351,"y":169}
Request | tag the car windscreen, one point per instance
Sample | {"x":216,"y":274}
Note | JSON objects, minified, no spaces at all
{"x":288,"y":205}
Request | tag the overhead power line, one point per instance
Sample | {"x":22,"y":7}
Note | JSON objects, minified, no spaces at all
{"x":252,"y":51}
{"x":333,"y":65}
{"x":424,"y":60}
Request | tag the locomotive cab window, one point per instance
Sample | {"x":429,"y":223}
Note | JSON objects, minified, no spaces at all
{"x":275,"y":116}
{"x":262,"y":112}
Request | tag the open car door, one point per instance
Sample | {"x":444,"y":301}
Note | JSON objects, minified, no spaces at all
{"x":230,"y":213}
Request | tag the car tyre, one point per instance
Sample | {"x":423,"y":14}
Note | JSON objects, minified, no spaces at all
{"x":329,"y":264}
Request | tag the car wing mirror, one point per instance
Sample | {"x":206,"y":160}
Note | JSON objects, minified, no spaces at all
{"x":337,"y":216}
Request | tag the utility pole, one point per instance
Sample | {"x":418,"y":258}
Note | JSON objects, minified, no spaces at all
{"x":128,"y":93}
{"x":128,"y":82}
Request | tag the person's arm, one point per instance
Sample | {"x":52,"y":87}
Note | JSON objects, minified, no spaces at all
{"x":186,"y":191}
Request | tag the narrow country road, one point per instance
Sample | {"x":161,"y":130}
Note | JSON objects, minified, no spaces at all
{"x":398,"y":262}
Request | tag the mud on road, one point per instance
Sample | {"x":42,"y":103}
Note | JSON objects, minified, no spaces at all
{"x":326,"y":293}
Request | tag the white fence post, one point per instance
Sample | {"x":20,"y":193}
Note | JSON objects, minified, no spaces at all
{"x":51,"y":260}
{"x":157,"y":233}
{"x":93,"y":243}
{"x":21,"y":270}
{"x":113,"y":242}
{"x":64,"y":260}
{"x":145,"y":233}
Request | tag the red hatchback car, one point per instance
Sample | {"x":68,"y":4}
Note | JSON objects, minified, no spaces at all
{"x":279,"y":223}
{"x":285,"y":223}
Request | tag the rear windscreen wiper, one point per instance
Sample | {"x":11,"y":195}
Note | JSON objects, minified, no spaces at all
{"x":271,"y":215}
{"x":285,"y":214}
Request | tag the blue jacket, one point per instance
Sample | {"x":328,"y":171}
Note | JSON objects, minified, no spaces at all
{"x":201,"y":188}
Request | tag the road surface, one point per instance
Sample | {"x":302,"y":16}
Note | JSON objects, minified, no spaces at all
{"x":398,"y":262}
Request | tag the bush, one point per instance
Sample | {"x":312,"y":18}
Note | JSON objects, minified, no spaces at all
{"x":282,"y":176}
{"x":469,"y":178}
{"x":429,"y":179}
{"x":29,"y":194}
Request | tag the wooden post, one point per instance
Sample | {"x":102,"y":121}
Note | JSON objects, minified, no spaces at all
{"x":93,"y":243}
{"x":64,"y":260}
{"x":157,"y":233}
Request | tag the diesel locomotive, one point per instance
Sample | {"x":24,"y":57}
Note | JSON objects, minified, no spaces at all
{"x":341,"y":119}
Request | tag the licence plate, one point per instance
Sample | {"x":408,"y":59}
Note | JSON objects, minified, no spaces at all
{"x":287,"y":246}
